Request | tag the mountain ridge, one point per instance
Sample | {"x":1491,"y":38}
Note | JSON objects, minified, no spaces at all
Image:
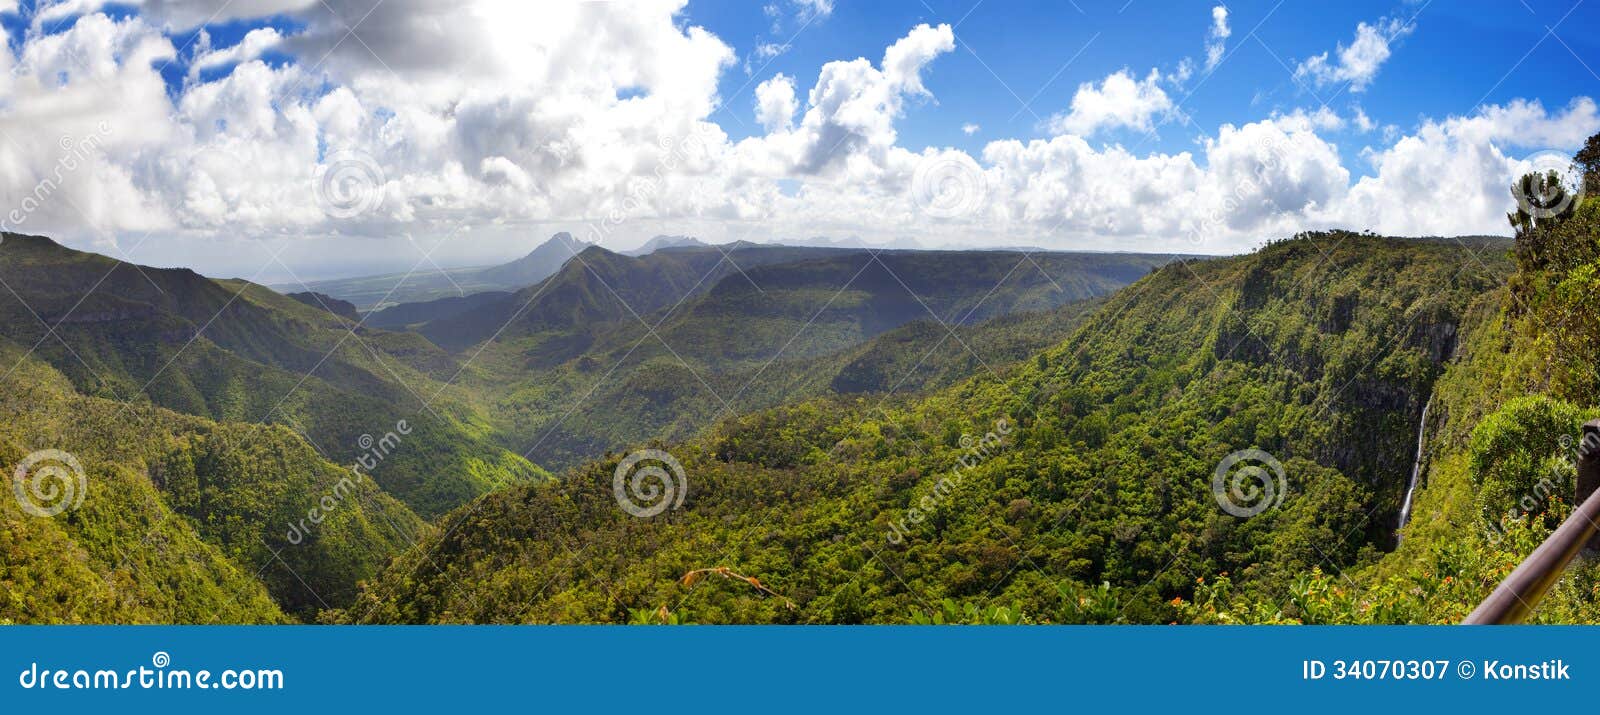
{"x":1117,"y":428}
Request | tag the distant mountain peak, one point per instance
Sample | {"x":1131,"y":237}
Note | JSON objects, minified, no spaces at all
{"x":660,"y":242}
{"x":539,"y":264}
{"x":562,"y":241}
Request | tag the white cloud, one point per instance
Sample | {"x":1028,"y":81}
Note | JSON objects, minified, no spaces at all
{"x":81,"y":110}
{"x":1216,"y":40}
{"x":547,"y":131}
{"x":776,"y":103}
{"x":1363,"y":122}
{"x":1452,"y":176}
{"x":852,"y":108}
{"x":1118,"y":101}
{"x":1183,"y":73}
{"x":173,"y":14}
{"x":254,"y":43}
{"x":1358,"y":62}
{"x":1320,"y":119}
{"x":804,"y":11}
{"x":1274,"y":169}
{"x":610,"y":111}
{"x":816,"y":8}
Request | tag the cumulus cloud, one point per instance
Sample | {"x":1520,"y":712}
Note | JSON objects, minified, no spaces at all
{"x":852,"y":108}
{"x":1452,"y":176}
{"x":554,"y":123}
{"x":776,"y":103}
{"x":470,"y":115}
{"x":1357,"y":63}
{"x":970,"y":129}
{"x":81,"y":109}
{"x":255,"y":43}
{"x":1118,"y":101}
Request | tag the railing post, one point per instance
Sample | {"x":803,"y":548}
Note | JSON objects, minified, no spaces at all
{"x":1588,"y":472}
{"x":1514,"y":599}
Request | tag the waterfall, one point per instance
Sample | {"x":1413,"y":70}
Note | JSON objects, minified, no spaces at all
{"x":1416,"y":469}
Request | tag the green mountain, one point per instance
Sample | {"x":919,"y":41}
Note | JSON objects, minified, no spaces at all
{"x":538,"y":265}
{"x":211,"y":417}
{"x":863,"y":436}
{"x":1498,"y":449}
{"x":1072,"y":487}
{"x":614,"y":350}
{"x":343,"y":309}
{"x":230,"y":350}
{"x":173,"y":518}
{"x":660,"y":242}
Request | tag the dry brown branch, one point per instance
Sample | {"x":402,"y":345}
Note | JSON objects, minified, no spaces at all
{"x":693,"y":577}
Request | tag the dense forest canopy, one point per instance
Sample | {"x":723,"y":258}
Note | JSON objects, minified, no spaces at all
{"x":842,"y":436}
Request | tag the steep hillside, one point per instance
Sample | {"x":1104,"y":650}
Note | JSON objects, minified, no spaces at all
{"x":1499,"y":447}
{"x":614,"y":350}
{"x":1076,"y":486}
{"x":174,"y":519}
{"x":235,"y":351}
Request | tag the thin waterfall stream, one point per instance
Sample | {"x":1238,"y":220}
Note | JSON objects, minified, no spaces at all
{"x":1416,"y":469}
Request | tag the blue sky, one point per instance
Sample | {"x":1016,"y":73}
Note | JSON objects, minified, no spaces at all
{"x":1462,"y":53}
{"x":332,"y":137}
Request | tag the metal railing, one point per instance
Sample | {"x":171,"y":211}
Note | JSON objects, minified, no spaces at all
{"x":1515,"y":598}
